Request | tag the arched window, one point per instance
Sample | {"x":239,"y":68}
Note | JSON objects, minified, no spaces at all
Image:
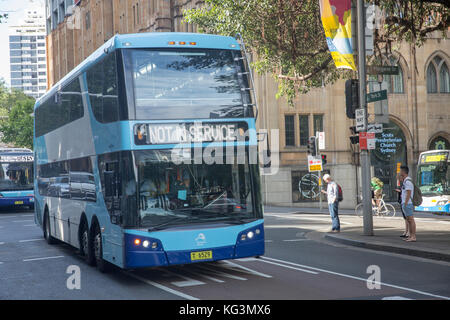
{"x":438,"y":78}
{"x":444,"y":79}
{"x":431,"y":79}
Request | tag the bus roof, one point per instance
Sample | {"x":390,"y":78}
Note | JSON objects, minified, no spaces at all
{"x":146,"y":40}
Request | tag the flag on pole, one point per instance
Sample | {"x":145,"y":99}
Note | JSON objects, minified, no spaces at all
{"x":337,"y":22}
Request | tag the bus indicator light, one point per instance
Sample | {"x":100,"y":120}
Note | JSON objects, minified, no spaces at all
{"x":137,"y":241}
{"x":171,"y":43}
{"x":182,"y":43}
{"x":193,"y":43}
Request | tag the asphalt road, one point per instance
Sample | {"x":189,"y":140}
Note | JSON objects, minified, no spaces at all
{"x":294,"y":267}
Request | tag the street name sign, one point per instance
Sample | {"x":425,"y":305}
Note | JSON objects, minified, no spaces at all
{"x":376,"y":96}
{"x":387,"y":70}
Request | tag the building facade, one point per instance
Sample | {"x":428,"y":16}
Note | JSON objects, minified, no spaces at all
{"x":419,"y":107}
{"x":27,"y":49}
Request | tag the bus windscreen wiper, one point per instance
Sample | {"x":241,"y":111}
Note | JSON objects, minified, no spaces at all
{"x":167,"y":223}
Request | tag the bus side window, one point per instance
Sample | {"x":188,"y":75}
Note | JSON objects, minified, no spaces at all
{"x":112,"y":180}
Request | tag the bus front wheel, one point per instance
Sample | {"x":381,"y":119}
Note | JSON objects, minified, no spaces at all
{"x":47,"y":231}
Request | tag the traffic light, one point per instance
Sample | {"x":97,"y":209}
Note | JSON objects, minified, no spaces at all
{"x":351,"y":97}
{"x":354,"y":138}
{"x":324,"y":159}
{"x":312,"y":150}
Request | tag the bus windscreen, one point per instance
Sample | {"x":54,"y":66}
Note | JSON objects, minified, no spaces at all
{"x":15,"y":176}
{"x":189,"y":193}
{"x":188,"y":83}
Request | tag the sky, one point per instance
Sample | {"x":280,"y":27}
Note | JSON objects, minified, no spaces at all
{"x":16,"y":10}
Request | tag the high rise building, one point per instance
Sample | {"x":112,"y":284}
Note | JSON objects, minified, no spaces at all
{"x":27,"y":52}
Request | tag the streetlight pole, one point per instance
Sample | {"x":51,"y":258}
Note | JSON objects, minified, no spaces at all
{"x":364,"y":155}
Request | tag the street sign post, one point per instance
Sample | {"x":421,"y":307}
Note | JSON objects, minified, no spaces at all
{"x":321,"y":137}
{"x":375,"y":127}
{"x":314,"y":163}
{"x":371,"y":141}
{"x":360,"y":117}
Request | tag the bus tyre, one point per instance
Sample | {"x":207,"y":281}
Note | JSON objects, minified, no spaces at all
{"x":86,"y":247}
{"x":47,"y":231}
{"x":102,"y":265}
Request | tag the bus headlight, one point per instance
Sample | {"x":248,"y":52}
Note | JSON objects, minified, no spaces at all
{"x":146,"y":243}
{"x":250,"y":234}
{"x":442,"y":202}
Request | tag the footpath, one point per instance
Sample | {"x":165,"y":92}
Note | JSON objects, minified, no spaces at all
{"x":433,"y":233}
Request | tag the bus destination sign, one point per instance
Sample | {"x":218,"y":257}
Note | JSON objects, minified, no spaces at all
{"x":192,"y":132}
{"x":16,"y":158}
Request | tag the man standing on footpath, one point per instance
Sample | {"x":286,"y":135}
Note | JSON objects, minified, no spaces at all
{"x":333,"y":203}
{"x":407,"y":205}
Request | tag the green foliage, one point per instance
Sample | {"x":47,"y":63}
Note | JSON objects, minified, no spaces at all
{"x":16,"y":124}
{"x":286,"y":39}
{"x":412,"y":21}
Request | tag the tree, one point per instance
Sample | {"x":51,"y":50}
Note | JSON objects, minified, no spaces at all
{"x":17,"y":126}
{"x":287,"y":39}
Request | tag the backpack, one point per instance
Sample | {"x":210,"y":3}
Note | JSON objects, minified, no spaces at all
{"x":340,"y":196}
{"x":417,"y":195}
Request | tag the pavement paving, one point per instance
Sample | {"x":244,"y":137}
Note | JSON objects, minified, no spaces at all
{"x":433,"y":233}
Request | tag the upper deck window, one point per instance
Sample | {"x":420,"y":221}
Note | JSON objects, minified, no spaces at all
{"x":186,"y":83}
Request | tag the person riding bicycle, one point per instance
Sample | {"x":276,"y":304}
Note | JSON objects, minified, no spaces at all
{"x":377,"y":188}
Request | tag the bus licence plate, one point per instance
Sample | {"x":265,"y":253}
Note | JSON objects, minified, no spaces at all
{"x":201,"y":255}
{"x":18,"y":202}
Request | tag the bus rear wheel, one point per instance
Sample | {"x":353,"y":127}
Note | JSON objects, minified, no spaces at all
{"x":102,"y":265}
{"x":86,"y":247}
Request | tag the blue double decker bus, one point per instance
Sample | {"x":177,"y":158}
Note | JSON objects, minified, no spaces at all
{"x":16,"y":177}
{"x":146,"y":153}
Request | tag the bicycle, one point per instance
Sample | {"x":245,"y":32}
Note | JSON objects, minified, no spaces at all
{"x":383,"y":210}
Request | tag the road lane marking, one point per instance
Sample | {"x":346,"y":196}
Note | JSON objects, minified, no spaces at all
{"x":5,"y":217}
{"x":160,"y":286}
{"x":221,"y":273}
{"x":248,"y":270}
{"x":396,"y":298}
{"x":29,"y":240}
{"x":289,"y":267}
{"x":294,"y":240}
{"x":358,"y":278}
{"x":22,"y":220}
{"x":187,"y":282}
{"x":268,"y":241}
{"x":30,"y":225}
{"x":43,"y":258}
{"x":203,"y":276}
{"x":2,"y":243}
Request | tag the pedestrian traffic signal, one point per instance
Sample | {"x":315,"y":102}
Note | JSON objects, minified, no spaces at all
{"x":354,"y":138}
{"x":312,"y":150}
{"x":351,"y":97}
{"x":324,"y":159}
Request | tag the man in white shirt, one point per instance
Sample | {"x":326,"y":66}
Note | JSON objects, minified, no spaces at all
{"x":407,"y":205}
{"x":333,"y":203}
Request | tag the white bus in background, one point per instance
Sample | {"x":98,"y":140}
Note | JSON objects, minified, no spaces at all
{"x":433,"y":176}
